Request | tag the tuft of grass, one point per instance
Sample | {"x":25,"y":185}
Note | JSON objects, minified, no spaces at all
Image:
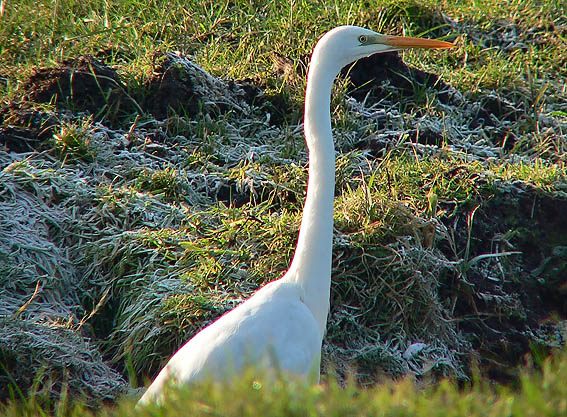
{"x":164,"y":182}
{"x":542,"y":173}
{"x":73,"y":142}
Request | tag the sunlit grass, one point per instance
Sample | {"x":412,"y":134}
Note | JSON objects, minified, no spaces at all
{"x":541,"y":391}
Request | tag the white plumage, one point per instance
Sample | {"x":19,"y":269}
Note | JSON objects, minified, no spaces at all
{"x":279,"y":330}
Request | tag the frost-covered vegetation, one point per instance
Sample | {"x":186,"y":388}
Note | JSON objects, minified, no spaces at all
{"x":153,"y":171}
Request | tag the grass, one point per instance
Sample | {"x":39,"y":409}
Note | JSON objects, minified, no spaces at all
{"x":122,"y":234}
{"x":539,"y":392}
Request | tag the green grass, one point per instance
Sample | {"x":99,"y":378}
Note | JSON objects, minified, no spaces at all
{"x":448,"y":216}
{"x":540,"y":392}
{"x":235,"y":40}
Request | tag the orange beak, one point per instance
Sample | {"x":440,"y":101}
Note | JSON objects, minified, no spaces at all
{"x":404,"y":42}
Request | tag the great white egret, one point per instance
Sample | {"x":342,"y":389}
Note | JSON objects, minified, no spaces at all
{"x":279,"y":330}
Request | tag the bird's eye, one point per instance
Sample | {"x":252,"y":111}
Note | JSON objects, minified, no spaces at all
{"x":362,"y":39}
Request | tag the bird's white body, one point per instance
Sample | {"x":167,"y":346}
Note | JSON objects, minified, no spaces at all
{"x":280,"y":329}
{"x":248,"y":336}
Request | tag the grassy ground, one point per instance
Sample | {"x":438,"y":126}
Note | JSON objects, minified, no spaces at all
{"x":539,"y":393}
{"x":141,"y":199}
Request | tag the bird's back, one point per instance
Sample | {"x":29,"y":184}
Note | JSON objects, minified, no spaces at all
{"x":272,"y":331}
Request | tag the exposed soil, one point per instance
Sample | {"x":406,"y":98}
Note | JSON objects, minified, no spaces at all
{"x":507,"y":315}
{"x":178,"y":85}
{"x":25,"y":130}
{"x":87,"y":85}
{"x":369,"y":76}
{"x":82,"y":85}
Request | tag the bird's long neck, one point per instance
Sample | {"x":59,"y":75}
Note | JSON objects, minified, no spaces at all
{"x":311,"y":265}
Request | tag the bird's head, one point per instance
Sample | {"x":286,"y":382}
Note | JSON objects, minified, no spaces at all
{"x":346,"y":44}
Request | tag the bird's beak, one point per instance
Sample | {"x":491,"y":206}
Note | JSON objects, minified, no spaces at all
{"x":403,"y":42}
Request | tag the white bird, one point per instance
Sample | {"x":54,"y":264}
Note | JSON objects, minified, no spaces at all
{"x":280,"y":329}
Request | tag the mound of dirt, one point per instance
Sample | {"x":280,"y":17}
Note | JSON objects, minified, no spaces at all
{"x":369,"y":76}
{"x":176,"y":85}
{"x":180,"y":86}
{"x":82,"y":85}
